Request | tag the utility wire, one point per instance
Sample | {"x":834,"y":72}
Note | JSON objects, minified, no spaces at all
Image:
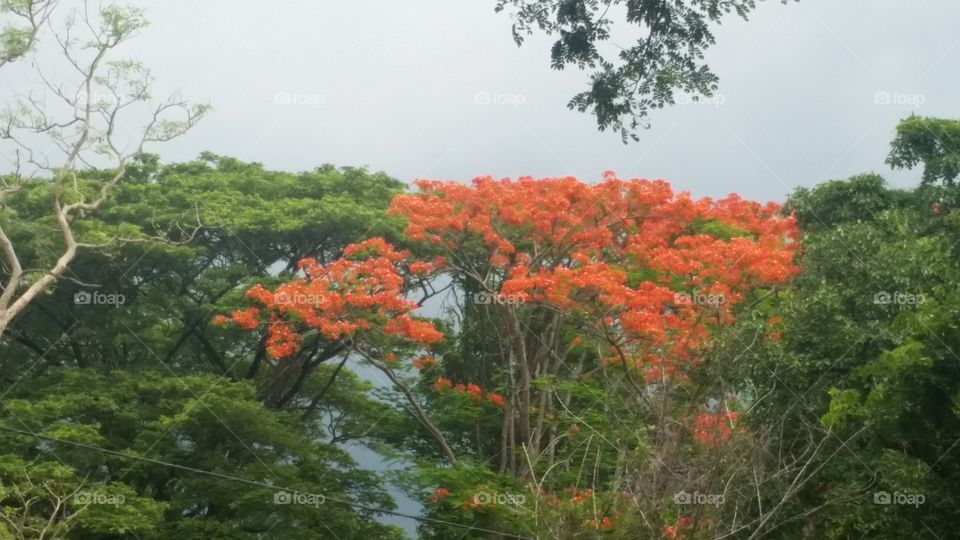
{"x":261,"y":484}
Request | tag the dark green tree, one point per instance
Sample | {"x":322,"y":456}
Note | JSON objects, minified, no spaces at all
{"x":149,"y":375}
{"x":200,"y":422}
{"x":628,"y":83}
{"x":867,"y":370}
{"x":932,"y":142}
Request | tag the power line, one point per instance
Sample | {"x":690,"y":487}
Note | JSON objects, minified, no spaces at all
{"x":261,"y":484}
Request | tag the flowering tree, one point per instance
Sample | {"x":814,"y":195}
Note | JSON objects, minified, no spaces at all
{"x":614,"y":287}
{"x":636,"y":265}
{"x":357,"y":303}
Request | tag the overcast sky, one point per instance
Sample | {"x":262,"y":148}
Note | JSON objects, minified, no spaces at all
{"x":438,"y":89}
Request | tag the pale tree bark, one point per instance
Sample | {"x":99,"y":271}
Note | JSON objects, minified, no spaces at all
{"x":83,"y":125}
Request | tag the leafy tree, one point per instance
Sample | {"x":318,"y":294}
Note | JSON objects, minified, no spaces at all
{"x":23,"y":19}
{"x":256,"y":225}
{"x":80,"y":128}
{"x":626,"y":84}
{"x":598,"y":298}
{"x":840,"y":202}
{"x":867,"y":367}
{"x":202,"y":423}
{"x":255,"y":222}
{"x":934,"y":142}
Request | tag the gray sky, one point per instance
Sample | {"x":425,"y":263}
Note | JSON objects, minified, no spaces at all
{"x":401,"y":86}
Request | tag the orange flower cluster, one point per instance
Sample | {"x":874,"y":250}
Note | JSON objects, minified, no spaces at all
{"x":569,"y":244}
{"x":418,"y":331}
{"x":495,"y":398}
{"x":775,"y":335}
{"x":677,"y":529}
{"x":605,"y":524}
{"x":362,"y":291}
{"x":282,"y":341}
{"x":248,"y":319}
{"x":443,"y":384}
{"x":714,"y":428}
{"x":577,"y":496}
{"x":439,"y":494}
{"x":424,"y":362}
